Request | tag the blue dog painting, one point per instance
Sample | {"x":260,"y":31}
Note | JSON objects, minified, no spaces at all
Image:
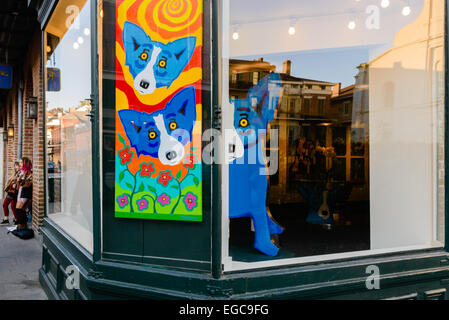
{"x":151,"y":63}
{"x":163,"y":133}
{"x":247,"y":185}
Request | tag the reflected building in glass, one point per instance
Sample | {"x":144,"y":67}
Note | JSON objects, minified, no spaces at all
{"x":313,"y":117}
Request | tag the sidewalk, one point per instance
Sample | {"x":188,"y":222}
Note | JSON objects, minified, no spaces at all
{"x":20,"y":261}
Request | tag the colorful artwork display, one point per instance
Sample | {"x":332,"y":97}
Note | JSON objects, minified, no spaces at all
{"x":158,"y":171}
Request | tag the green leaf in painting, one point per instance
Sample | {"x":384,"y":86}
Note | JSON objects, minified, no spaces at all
{"x":129,"y":186}
{"x":179,"y":174}
{"x":141,"y":188}
{"x":152,"y":189}
{"x":120,"y":138}
{"x":196,"y":181}
{"x":121,"y":176}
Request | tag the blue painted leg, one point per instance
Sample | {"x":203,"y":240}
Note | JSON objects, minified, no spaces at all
{"x":273,"y":226}
{"x":262,"y":241}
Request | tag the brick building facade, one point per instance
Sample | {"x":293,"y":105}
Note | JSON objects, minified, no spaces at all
{"x":27,"y":78}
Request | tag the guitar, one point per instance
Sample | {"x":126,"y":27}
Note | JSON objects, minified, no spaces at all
{"x":324,"y":211}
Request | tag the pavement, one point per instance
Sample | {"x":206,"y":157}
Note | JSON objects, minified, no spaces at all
{"x":20,"y":261}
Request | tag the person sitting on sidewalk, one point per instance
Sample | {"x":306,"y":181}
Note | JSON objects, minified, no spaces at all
{"x":11,"y":190}
{"x":25,"y":182}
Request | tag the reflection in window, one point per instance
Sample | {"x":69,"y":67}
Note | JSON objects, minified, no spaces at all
{"x":68,"y":127}
{"x":359,"y":116}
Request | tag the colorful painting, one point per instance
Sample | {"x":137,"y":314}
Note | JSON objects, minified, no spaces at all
{"x":158,"y":163}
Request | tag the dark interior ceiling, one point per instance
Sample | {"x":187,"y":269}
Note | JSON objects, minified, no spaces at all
{"x":18,"y":22}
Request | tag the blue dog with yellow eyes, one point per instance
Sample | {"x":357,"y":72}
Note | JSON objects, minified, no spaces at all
{"x":247,"y":171}
{"x":163,"y":133}
{"x":154,"y":64}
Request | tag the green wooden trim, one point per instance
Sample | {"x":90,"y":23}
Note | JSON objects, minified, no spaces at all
{"x":446,"y":131}
{"x":69,"y":245}
{"x":399,"y":275}
{"x":208,"y":170}
{"x":96,"y":167}
{"x":216,"y":175}
{"x":59,"y":252}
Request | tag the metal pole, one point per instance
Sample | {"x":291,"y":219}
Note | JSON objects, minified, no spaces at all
{"x":19,"y":122}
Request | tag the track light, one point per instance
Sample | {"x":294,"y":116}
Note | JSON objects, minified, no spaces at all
{"x":385,"y":3}
{"x":406,"y":10}
{"x":351,"y":25}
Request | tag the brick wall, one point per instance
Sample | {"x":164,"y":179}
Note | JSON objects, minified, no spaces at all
{"x":32,"y":129}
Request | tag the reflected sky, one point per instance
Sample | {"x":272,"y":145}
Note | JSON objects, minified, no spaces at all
{"x":331,"y":65}
{"x":74,"y":63}
{"x":323,"y":47}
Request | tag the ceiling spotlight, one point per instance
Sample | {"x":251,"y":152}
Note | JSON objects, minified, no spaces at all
{"x":235,"y":36}
{"x":80,"y":40}
{"x":291,"y":31}
{"x":86,"y":31}
{"x":406,"y":10}
{"x":385,"y":3}
{"x":76,"y":45}
{"x":351,"y":25}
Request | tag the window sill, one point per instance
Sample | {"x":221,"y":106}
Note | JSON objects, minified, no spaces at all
{"x":230,"y":266}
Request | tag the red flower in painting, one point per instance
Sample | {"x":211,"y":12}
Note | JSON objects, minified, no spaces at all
{"x":125,"y":155}
{"x":190,"y":161}
{"x":146,"y":169}
{"x":164,"y":178}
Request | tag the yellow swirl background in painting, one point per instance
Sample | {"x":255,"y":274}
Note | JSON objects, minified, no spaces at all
{"x":144,"y":24}
{"x":122,"y":12}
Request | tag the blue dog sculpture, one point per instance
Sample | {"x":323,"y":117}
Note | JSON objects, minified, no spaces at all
{"x":247,"y":185}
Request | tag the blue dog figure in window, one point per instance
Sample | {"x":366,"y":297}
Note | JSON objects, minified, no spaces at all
{"x":247,"y":171}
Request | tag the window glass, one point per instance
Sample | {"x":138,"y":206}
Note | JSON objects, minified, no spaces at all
{"x":68,"y":126}
{"x":351,"y":96}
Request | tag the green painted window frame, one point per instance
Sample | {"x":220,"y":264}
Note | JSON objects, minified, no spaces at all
{"x":49,"y":6}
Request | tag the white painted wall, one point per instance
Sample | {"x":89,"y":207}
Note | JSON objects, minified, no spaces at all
{"x":403,"y":139}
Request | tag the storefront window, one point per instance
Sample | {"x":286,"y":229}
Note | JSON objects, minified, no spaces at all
{"x":68,"y":126}
{"x":355,"y":92}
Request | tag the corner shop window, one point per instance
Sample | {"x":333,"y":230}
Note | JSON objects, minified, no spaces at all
{"x":360,"y":150}
{"x":68,"y":127}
